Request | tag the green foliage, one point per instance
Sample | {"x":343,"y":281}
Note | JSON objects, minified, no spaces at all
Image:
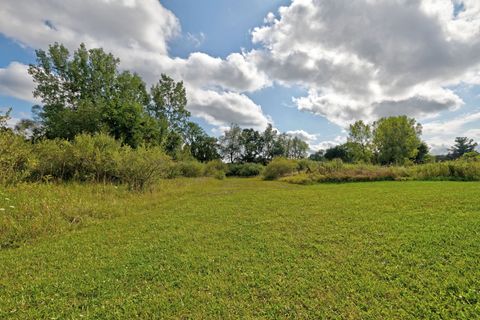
{"x":190,"y":169}
{"x":86,"y":93}
{"x":95,"y":157}
{"x":230,"y":144}
{"x":341,"y":152}
{"x":16,"y":158}
{"x":449,"y":170}
{"x":142,"y":167}
{"x":55,"y":160}
{"x":318,"y":156}
{"x":279,"y":167}
{"x":244,"y":169}
{"x":462,"y":146}
{"x":215,"y":168}
{"x":396,"y":139}
{"x":169,"y":104}
{"x":359,"y":143}
{"x":201,"y":146}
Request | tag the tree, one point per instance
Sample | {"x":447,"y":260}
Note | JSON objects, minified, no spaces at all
{"x":298,"y":148}
{"x":252,"y":145}
{"x":360,"y":142}
{"x":396,"y":139}
{"x":230,"y":144}
{"x":318,"y":156}
{"x":4,"y":120}
{"x":85,"y":93}
{"x":422,"y":154}
{"x":201,"y":146}
{"x":338,"y":152}
{"x":269,"y":137}
{"x":169,"y":103}
{"x":462,"y":145}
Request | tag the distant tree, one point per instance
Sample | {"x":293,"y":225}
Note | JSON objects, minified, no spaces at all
{"x":298,"y":148}
{"x":230,"y":144}
{"x":269,"y":137}
{"x":359,"y":142}
{"x":4,"y":119}
{"x":318,"y":156}
{"x":462,"y":145}
{"x":201,"y":146}
{"x":339,"y":152}
{"x":422,"y":153}
{"x":251,"y":145}
{"x":396,"y":139}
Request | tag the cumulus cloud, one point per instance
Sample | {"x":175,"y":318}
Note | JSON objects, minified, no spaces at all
{"x":138,"y":33}
{"x":16,"y":82}
{"x":224,"y":108}
{"x":360,"y":59}
{"x":370,"y":58}
{"x":440,"y":134}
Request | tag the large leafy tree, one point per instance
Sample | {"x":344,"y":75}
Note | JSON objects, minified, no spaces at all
{"x":252,"y":145}
{"x":86,"y":93}
{"x":462,"y":146}
{"x":396,"y":139}
{"x":359,"y":142}
{"x":169,"y":103}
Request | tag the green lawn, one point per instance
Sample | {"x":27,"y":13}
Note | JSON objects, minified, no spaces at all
{"x":243,"y":248}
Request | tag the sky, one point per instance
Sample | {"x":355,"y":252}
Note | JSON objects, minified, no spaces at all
{"x":309,"y":67}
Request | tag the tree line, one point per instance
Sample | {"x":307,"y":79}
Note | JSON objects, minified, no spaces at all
{"x":86,"y":93}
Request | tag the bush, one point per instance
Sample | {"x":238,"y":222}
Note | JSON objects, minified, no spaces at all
{"x":55,"y":160}
{"x":215,"y":168}
{"x":16,"y":158}
{"x":190,"y":169}
{"x":244,"y":169}
{"x":141,"y":167}
{"x":279,"y":167}
{"x":451,"y":170}
{"x":94,"y":157}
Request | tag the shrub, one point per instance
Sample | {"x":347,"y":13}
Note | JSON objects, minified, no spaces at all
{"x":94,"y":157}
{"x":190,"y":169}
{"x":244,"y":169}
{"x":141,"y":167}
{"x":16,"y":158}
{"x":279,"y":167}
{"x":215,"y":168}
{"x":54,"y":160}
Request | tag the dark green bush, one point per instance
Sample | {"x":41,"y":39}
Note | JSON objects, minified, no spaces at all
{"x":244,"y":169}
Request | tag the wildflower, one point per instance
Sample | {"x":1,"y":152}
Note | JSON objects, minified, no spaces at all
{"x":2,"y":209}
{"x":13,"y":207}
{"x":8,"y":199}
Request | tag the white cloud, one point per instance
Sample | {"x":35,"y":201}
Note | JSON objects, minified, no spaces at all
{"x":370,"y":58}
{"x":138,"y":33}
{"x":223,"y":108}
{"x":16,"y":82}
{"x":440,"y":134}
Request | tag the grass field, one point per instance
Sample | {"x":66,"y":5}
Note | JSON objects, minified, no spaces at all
{"x":242,"y":248}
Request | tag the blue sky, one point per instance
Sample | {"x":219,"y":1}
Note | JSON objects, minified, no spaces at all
{"x":310,"y":68}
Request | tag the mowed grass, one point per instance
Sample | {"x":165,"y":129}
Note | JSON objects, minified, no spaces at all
{"x":245,"y":248}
